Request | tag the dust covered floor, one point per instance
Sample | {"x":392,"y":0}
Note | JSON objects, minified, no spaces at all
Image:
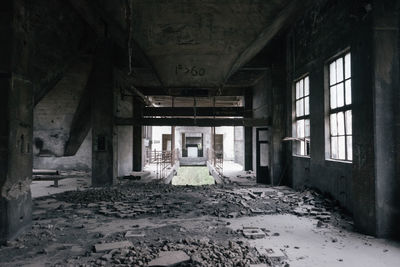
{"x":193,"y":175}
{"x":219,"y":225}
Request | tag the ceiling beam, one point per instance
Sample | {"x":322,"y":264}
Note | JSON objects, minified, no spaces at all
{"x":193,"y":122}
{"x":190,"y":92}
{"x":191,"y":111}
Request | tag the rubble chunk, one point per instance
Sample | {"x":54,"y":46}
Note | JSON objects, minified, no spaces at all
{"x":170,"y":258}
{"x":110,"y":246}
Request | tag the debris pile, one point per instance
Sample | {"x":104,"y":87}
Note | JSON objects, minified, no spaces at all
{"x":224,"y":201}
{"x":186,"y":252}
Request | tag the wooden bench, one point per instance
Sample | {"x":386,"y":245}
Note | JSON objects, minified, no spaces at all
{"x":47,"y":175}
{"x":48,"y":178}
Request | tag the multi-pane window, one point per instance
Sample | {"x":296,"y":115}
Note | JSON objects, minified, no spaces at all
{"x":340,"y":114}
{"x":302,"y":146}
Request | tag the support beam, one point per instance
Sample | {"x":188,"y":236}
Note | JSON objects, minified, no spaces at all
{"x":205,"y":92}
{"x":248,"y":132}
{"x":102,"y":116}
{"x":386,"y":87}
{"x":81,"y":122}
{"x":188,"y":111}
{"x":137,"y":135}
{"x":16,"y":122}
{"x":193,"y":122}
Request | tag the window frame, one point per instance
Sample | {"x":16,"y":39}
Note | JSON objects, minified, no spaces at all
{"x":342,"y":109}
{"x":304,"y":117}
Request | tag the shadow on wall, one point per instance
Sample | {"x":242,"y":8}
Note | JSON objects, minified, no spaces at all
{"x":82,"y":161}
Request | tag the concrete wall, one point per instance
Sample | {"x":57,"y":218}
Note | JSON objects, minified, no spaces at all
{"x":206,"y":131}
{"x":53,"y":117}
{"x":329,"y":28}
{"x":229,"y":150}
{"x":157,"y":134}
{"x":239,"y":145}
{"x":268,"y":103}
{"x":82,"y":161}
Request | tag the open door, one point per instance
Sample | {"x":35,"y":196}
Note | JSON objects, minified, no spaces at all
{"x":262,"y":141}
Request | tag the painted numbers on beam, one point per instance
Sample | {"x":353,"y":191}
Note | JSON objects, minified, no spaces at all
{"x":193,"y":71}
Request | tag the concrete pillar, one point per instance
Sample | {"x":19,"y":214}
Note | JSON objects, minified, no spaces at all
{"x":102,"y":115}
{"x":386,"y":87}
{"x":173,"y":137}
{"x":137,"y":136}
{"x":248,"y":131}
{"x":173,"y":143}
{"x":16,"y":123}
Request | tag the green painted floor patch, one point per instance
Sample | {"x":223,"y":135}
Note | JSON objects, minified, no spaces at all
{"x":193,"y":176}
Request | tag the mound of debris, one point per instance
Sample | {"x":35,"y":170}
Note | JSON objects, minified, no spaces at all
{"x":186,"y":252}
{"x":225,"y":201}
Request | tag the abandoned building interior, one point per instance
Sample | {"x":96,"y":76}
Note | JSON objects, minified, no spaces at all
{"x":199,"y":133}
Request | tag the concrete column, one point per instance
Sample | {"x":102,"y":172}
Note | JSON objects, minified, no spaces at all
{"x":137,"y":136}
{"x":102,"y":115}
{"x":173,"y":143}
{"x":16,"y":123}
{"x":173,"y":137}
{"x":386,"y":88}
{"x":248,"y":131}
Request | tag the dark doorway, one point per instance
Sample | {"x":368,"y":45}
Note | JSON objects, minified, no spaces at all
{"x":219,"y":143}
{"x":262,"y":141}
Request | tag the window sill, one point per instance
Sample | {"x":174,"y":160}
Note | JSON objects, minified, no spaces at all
{"x":339,"y":161}
{"x":301,"y":157}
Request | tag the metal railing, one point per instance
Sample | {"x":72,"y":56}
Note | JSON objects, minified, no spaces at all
{"x":216,"y":159}
{"x":163,"y":160}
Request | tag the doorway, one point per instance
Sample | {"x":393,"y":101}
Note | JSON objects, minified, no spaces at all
{"x":166,"y":142}
{"x":262,"y":142}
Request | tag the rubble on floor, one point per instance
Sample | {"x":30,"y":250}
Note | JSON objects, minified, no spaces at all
{"x":186,"y":252}
{"x":224,"y":201}
{"x":66,"y":228}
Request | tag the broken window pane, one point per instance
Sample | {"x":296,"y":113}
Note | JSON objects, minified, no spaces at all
{"x":342,"y":147}
{"x":349,"y":122}
{"x":348,"y":92}
{"x":347,"y":60}
{"x":339,"y":70}
{"x":333,"y":124}
{"x":340,"y":95}
{"x":340,"y":121}
{"x":350,"y":148}
{"x":334,"y":145}
{"x":333,"y":97}
{"x":306,"y":86}
{"x":307,"y":105}
{"x":332,"y":73}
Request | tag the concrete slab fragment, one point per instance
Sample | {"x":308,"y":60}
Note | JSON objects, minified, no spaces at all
{"x":170,"y":258}
{"x":110,"y":246}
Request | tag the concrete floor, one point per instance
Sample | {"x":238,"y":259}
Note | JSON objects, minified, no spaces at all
{"x":193,"y":176}
{"x":64,"y":230}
